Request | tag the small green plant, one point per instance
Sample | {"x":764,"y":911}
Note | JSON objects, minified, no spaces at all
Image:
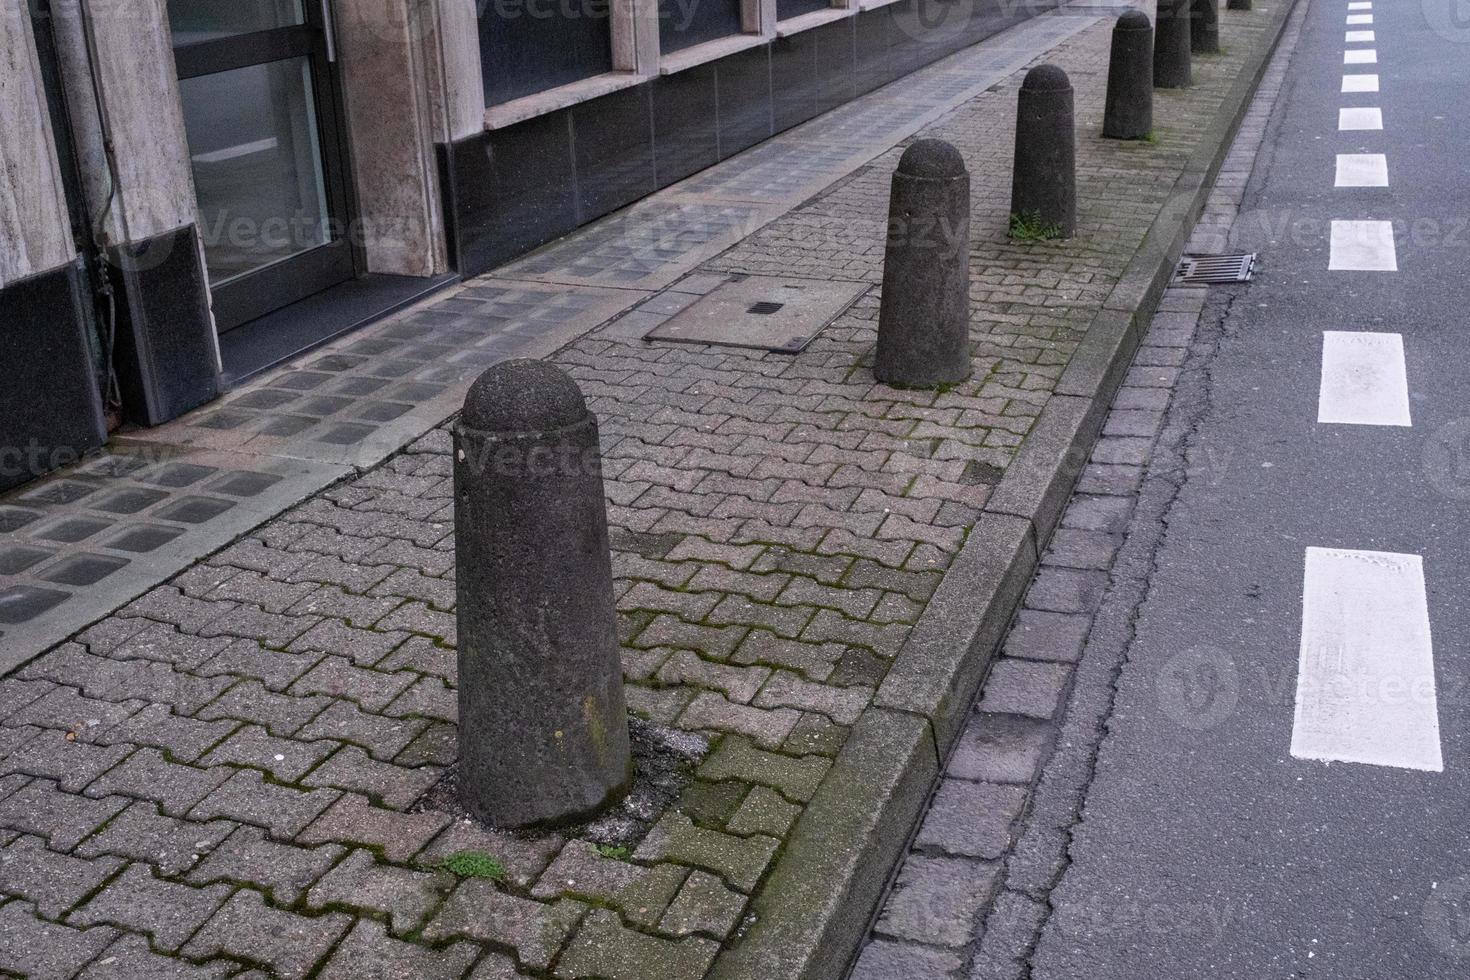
{"x":615,"y":853}
{"x":1149,"y":137}
{"x":474,"y":864}
{"x":1028,"y":227}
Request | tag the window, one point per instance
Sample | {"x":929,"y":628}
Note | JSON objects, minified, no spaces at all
{"x":529,"y":46}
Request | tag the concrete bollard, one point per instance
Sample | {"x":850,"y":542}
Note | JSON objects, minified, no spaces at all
{"x":1204,"y":27}
{"x":924,"y":314}
{"x":1129,"y":114}
{"x":1171,"y":45}
{"x":1044,"y":176}
{"x":543,"y":730}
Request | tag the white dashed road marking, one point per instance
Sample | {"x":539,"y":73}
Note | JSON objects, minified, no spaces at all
{"x":1359,"y":118}
{"x":1360,"y":18}
{"x":1360,"y":56}
{"x":1362,"y":246}
{"x":1362,"y":170}
{"x":1361,"y":5}
{"x":1360,"y":83}
{"x":1359,"y":37}
{"x":1365,"y":681}
{"x":1364,"y":381}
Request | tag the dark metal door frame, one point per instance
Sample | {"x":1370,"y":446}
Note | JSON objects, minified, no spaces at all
{"x":260,"y":292}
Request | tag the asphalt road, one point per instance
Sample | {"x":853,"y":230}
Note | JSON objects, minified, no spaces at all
{"x":1206,"y":848}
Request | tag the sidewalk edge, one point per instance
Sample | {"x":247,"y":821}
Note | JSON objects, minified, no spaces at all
{"x":812,"y":915}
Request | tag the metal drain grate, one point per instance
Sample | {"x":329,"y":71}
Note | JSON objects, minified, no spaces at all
{"x":1206,"y":269}
{"x":765,"y":308}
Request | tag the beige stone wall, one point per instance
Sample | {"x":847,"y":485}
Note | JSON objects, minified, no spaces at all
{"x":135,"y":74}
{"x":34,"y":232}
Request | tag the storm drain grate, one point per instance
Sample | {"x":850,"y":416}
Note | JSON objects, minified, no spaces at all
{"x":765,"y":308}
{"x":1200,"y":270}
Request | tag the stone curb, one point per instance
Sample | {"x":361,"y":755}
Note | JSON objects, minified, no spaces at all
{"x":813,"y":913}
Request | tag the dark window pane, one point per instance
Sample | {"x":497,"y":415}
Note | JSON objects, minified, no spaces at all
{"x":786,"y":9}
{"x":529,"y":46}
{"x":257,"y":165}
{"x":684,"y":23}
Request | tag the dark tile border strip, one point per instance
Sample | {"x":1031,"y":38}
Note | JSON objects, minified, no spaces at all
{"x":812,"y":915}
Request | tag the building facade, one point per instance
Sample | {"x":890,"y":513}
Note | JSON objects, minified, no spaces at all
{"x":196,"y":190}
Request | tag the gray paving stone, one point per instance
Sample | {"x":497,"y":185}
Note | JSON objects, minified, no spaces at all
{"x":369,"y":953}
{"x":383,"y":737}
{"x":1001,"y":749}
{"x":479,"y":911}
{"x":130,"y":958}
{"x":141,"y":833}
{"x":169,"y":913}
{"x":1041,"y":635}
{"x":352,"y":769}
{"x":354,"y":819}
{"x":248,"y":798}
{"x":938,"y":900}
{"x":40,"y":807}
{"x":360,"y":882}
{"x":971,"y":819}
{"x":1076,"y":548}
{"x":147,"y":775}
{"x":53,"y":882}
{"x":704,"y":905}
{"x":1066,"y":590}
{"x":286,"y":871}
{"x":1025,"y":687}
{"x":283,"y":715}
{"x":36,"y":949}
{"x":185,"y":739}
{"x":887,"y":960}
{"x":284,"y":758}
{"x":247,"y":928}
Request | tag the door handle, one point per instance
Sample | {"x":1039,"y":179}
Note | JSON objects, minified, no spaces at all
{"x":329,"y":30}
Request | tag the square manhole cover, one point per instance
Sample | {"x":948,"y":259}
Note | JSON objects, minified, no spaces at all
{"x":761,"y":312}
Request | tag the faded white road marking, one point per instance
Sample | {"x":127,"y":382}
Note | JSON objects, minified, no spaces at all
{"x":1360,"y":18}
{"x":1359,"y":118}
{"x":1365,"y":677}
{"x":1358,"y":37}
{"x":1362,"y":246}
{"x":1361,"y":5}
{"x":1360,"y":56}
{"x":1362,"y":170}
{"x":1364,"y":381}
{"x":1360,"y":83}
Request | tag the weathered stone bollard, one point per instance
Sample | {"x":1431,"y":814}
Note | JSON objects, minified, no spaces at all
{"x":1044,"y":176}
{"x":543,"y":730}
{"x":1171,"y":45}
{"x":1204,"y":27}
{"x":1129,"y":114}
{"x":924,"y":314}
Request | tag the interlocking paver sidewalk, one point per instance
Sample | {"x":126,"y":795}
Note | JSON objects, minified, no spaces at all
{"x":230,"y":771}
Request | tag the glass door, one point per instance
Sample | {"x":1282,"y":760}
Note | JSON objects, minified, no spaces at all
{"x":261,"y":113}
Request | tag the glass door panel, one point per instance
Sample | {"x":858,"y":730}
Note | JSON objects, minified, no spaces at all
{"x":261,"y":113}
{"x":257,"y":159}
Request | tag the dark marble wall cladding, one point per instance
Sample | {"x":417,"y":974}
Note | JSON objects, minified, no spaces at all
{"x":165,"y":354}
{"x":513,"y":189}
{"x":50,"y":408}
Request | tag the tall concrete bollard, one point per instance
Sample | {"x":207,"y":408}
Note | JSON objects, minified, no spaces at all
{"x":543,"y":731}
{"x":1204,"y":27}
{"x":1129,"y":113}
{"x":924,"y":314}
{"x":1044,"y":177}
{"x":1171,"y":45}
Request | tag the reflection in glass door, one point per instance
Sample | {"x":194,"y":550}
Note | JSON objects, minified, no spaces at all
{"x":260,"y":112}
